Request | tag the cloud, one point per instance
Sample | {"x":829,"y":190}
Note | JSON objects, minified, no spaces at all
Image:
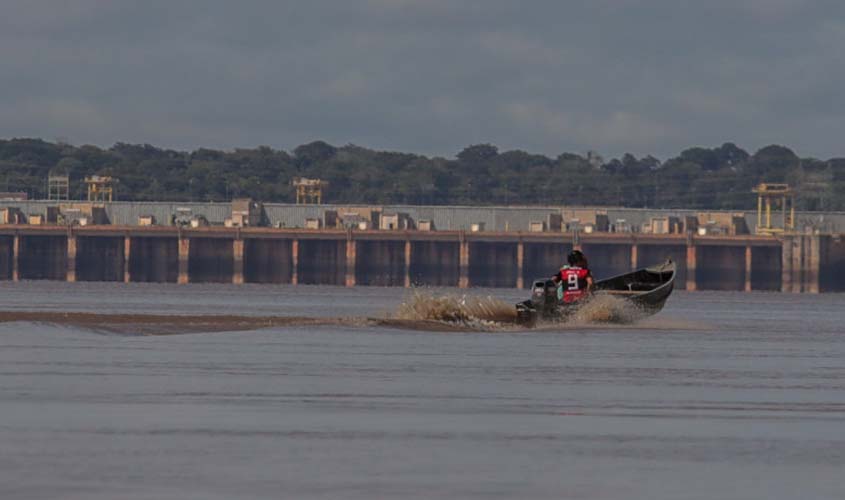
{"x":772,"y":9}
{"x":60,"y":115}
{"x":623,"y":128}
{"x":645,"y":76}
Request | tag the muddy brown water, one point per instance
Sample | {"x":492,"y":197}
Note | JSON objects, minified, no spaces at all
{"x":722,"y":395}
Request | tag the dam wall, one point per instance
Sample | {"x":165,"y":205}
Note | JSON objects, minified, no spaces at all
{"x":435,"y":263}
{"x":44,"y":257}
{"x":791,"y":263}
{"x":152,"y":260}
{"x":98,"y":258}
{"x":491,"y":264}
{"x":384,"y":265}
{"x":832,"y":265}
{"x":212,"y":260}
{"x":7,"y":261}
{"x":268,"y":260}
{"x":323,"y":261}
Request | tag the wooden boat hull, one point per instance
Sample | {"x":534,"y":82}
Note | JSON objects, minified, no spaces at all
{"x":647,"y":289}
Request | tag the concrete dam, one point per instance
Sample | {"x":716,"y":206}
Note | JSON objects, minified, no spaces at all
{"x":346,"y":257}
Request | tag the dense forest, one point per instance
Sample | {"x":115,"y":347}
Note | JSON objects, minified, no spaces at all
{"x":704,"y":178}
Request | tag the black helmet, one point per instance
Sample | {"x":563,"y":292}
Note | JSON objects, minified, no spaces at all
{"x":575,"y":257}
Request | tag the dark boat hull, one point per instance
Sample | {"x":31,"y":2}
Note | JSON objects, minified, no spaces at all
{"x":647,"y":289}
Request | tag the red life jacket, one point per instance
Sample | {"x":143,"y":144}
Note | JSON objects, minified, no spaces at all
{"x":574,"y":282}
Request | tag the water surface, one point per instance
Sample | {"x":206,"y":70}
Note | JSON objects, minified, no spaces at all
{"x":723,"y":395}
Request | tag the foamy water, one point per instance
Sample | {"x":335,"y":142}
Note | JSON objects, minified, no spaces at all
{"x":602,"y":308}
{"x":489,"y":312}
{"x":483,"y":311}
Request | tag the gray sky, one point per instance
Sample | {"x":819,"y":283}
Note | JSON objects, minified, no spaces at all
{"x":428,"y":76}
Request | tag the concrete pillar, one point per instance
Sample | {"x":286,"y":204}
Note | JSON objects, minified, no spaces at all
{"x":238,"y":261}
{"x":576,"y":241}
{"x":691,"y":265}
{"x":463,"y":262}
{"x":127,"y":254}
{"x":786,"y":264}
{"x":813,"y":266}
{"x":71,"y":258}
{"x":520,"y":264}
{"x":351,"y":259}
{"x":16,"y":256}
{"x":294,"y":257}
{"x":634,"y":256}
{"x":184,"y":259}
{"x":407,"y":263}
{"x":747,"y":268}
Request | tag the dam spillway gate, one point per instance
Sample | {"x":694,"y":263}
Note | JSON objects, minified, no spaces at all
{"x":790,"y":263}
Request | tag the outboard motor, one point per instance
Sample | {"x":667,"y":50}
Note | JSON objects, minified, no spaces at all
{"x":543,"y":303}
{"x":550,"y":298}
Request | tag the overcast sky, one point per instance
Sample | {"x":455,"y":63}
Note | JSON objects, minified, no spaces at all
{"x":428,"y":76}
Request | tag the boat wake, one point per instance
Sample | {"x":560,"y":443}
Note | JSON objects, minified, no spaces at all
{"x":167,"y":324}
{"x":466,"y":310}
{"x":422,"y":311}
{"x":603,"y":308}
{"x":492,"y":314}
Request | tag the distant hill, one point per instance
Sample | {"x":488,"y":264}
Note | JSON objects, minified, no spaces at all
{"x":705,"y":178}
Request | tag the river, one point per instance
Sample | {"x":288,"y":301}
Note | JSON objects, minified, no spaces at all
{"x":721,"y":395}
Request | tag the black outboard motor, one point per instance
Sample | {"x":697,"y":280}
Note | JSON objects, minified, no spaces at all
{"x":542,"y":304}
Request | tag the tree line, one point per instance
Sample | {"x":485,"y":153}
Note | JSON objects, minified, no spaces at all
{"x":699,"y":178}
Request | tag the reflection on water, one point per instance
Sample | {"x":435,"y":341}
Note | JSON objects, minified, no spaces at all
{"x":719,"y":396}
